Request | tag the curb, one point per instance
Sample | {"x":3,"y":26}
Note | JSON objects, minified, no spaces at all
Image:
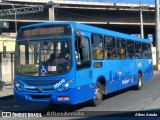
{"x":6,"y":97}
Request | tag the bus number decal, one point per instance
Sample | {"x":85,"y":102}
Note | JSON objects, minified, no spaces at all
{"x":59,"y":84}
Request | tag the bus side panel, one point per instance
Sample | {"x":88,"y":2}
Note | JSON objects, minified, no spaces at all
{"x":110,"y":72}
{"x":145,"y":65}
{"x":126,"y":74}
{"x":119,"y":74}
{"x":85,"y":88}
{"x":107,"y":71}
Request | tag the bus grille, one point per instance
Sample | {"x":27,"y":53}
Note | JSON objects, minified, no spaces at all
{"x":40,"y":97}
{"x":40,"y":82}
{"x":43,"y":90}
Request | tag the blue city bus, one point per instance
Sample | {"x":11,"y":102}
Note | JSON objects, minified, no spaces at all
{"x":70,"y":63}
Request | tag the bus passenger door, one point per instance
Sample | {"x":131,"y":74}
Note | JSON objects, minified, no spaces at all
{"x":84,"y":82}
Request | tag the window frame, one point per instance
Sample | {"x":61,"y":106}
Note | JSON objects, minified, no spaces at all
{"x":114,"y":46}
{"x":92,"y":45}
{"x":136,"y":49}
{"x":83,"y":66}
{"x":133,"y":56}
{"x":118,"y":39}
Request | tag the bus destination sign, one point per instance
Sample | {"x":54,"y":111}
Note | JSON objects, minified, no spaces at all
{"x":40,"y":31}
{"x":43,"y":31}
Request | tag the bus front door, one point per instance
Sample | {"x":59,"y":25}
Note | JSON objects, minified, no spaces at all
{"x":84,"y":81}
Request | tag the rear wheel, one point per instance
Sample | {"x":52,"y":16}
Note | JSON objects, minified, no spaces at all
{"x":139,"y":82}
{"x":98,"y":95}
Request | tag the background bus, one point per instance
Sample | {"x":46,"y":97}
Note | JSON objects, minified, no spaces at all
{"x":69,"y":63}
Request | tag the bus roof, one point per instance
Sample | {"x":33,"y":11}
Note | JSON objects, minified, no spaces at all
{"x":92,"y":29}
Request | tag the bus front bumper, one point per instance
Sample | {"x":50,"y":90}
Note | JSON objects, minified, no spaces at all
{"x":67,"y":97}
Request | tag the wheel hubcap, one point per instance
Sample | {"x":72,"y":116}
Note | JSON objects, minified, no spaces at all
{"x":140,"y":82}
{"x":97,"y":94}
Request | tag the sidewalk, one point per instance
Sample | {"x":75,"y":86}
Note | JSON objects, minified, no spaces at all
{"x":156,"y":73}
{"x":7,"y":91}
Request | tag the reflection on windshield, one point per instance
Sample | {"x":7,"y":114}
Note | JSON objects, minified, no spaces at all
{"x":43,"y":58}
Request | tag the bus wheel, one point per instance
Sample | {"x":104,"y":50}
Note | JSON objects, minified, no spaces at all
{"x":139,"y":82}
{"x":98,"y":95}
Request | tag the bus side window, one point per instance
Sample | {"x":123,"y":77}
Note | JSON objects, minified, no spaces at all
{"x":109,"y":46}
{"x":145,"y":50}
{"x":130,"y":49}
{"x":78,"y":48}
{"x":97,"y":46}
{"x":138,"y":48}
{"x":121,"y":48}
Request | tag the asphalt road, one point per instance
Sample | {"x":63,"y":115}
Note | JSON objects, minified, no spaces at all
{"x":122,"y":102}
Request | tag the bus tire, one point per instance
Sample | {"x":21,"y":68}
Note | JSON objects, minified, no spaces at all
{"x":139,"y":82}
{"x":98,"y":96}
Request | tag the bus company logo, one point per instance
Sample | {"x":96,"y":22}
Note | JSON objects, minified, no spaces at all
{"x":6,"y":114}
{"x":39,"y":89}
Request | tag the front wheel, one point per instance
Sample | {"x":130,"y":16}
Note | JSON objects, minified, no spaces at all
{"x":98,"y":96}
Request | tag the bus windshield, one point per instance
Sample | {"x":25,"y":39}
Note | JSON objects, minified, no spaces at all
{"x":43,"y":57}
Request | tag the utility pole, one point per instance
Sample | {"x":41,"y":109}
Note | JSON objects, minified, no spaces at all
{"x":141,"y":19}
{"x":51,"y":11}
{"x":157,"y":33}
{"x":52,"y":14}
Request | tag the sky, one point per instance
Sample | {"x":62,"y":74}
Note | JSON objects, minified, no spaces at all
{"x":133,"y":1}
{"x":125,"y":1}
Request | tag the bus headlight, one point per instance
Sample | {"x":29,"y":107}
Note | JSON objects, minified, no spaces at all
{"x":65,"y":86}
{"x":19,"y":86}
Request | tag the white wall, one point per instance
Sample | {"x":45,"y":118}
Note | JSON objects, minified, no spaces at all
{"x":154,"y":55}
